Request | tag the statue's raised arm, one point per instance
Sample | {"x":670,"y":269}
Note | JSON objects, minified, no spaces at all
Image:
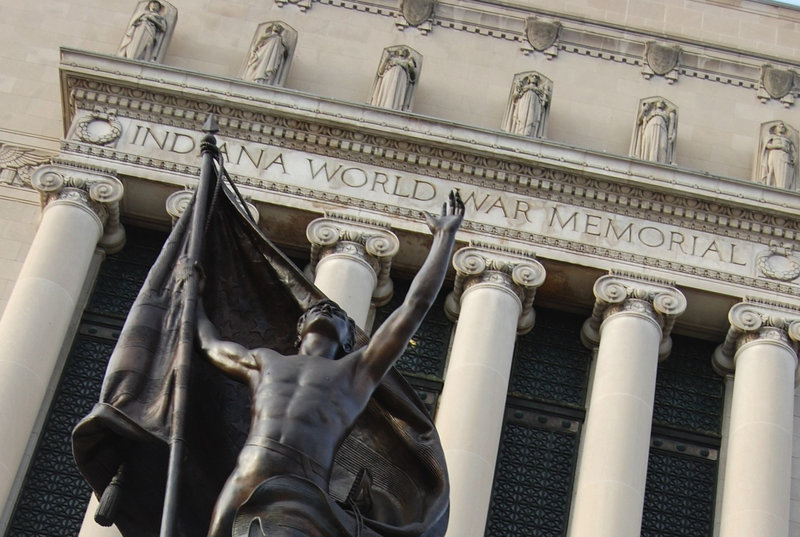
{"x":390,"y":340}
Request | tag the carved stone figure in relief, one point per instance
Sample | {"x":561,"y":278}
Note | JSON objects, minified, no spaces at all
{"x":145,"y":35}
{"x":778,"y":158}
{"x":270,"y":53}
{"x":656,"y":127}
{"x":528,"y":105}
{"x":397,"y":75}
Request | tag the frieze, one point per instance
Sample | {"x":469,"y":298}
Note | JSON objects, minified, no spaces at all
{"x":510,"y":174}
{"x":399,"y":211}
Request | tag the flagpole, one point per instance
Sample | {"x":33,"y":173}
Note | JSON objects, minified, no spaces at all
{"x":208,"y":173}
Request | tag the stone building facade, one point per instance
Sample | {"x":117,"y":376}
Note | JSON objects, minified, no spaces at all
{"x":615,"y":352}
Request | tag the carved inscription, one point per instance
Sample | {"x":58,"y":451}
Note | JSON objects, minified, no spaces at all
{"x":645,"y":236}
{"x":483,"y":205}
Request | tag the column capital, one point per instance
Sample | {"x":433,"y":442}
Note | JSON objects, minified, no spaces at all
{"x":94,"y":191}
{"x":757,"y":320}
{"x":368,"y":242}
{"x":178,"y":201}
{"x":514,"y":271}
{"x":618,"y":293}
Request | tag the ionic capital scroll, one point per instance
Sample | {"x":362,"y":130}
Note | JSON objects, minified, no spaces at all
{"x":753,"y":320}
{"x":179,"y":201}
{"x":618,"y":293}
{"x":516,"y":272}
{"x":368,"y":243}
{"x":93,"y":191}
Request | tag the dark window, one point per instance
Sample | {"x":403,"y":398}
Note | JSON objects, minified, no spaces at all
{"x":539,"y":444}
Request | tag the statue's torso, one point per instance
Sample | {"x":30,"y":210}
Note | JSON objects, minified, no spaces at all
{"x":307,"y":403}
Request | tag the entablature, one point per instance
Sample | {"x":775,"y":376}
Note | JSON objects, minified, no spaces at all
{"x":310,"y":154}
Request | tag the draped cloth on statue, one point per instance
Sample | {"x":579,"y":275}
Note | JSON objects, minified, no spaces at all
{"x":254,"y":295}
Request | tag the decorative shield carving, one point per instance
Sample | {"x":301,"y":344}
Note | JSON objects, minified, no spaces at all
{"x":417,"y":11}
{"x":541,"y":34}
{"x":777,"y":82}
{"x":661,"y":58}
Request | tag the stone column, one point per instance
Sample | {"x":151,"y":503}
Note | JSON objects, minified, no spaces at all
{"x":350,"y":263}
{"x":80,"y":213}
{"x":761,"y":346}
{"x":492,"y":300}
{"x":630,"y":327}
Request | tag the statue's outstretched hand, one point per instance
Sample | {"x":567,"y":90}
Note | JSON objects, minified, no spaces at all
{"x":451,"y":217}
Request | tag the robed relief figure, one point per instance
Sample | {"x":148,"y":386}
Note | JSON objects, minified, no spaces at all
{"x":292,"y":428}
{"x":397,"y":77}
{"x":270,"y":54}
{"x":149,"y":31}
{"x":528,"y":105}
{"x":656,"y":131}
{"x":777,"y":156}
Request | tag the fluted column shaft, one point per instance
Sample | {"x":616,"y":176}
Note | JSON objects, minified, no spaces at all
{"x":762,"y":347}
{"x":630,"y":323}
{"x":350,"y":263}
{"x":77,"y":206}
{"x":492,"y":298}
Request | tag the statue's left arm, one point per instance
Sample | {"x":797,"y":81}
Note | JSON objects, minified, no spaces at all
{"x":390,"y":340}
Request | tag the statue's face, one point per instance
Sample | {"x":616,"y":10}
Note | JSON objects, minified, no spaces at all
{"x":780,"y":128}
{"x":154,"y":6}
{"x":327,"y":318}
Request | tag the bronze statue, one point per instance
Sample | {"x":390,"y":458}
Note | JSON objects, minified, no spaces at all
{"x":304,"y":405}
{"x":169,"y":442}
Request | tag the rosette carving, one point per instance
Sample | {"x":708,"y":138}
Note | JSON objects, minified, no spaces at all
{"x":617,"y":293}
{"x":755,"y":320}
{"x":87,"y":189}
{"x":513,"y":271}
{"x":365,"y":242}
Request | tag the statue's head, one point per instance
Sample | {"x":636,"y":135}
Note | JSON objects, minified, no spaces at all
{"x":328,"y":318}
{"x":780,"y":128}
{"x":155,"y":5}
